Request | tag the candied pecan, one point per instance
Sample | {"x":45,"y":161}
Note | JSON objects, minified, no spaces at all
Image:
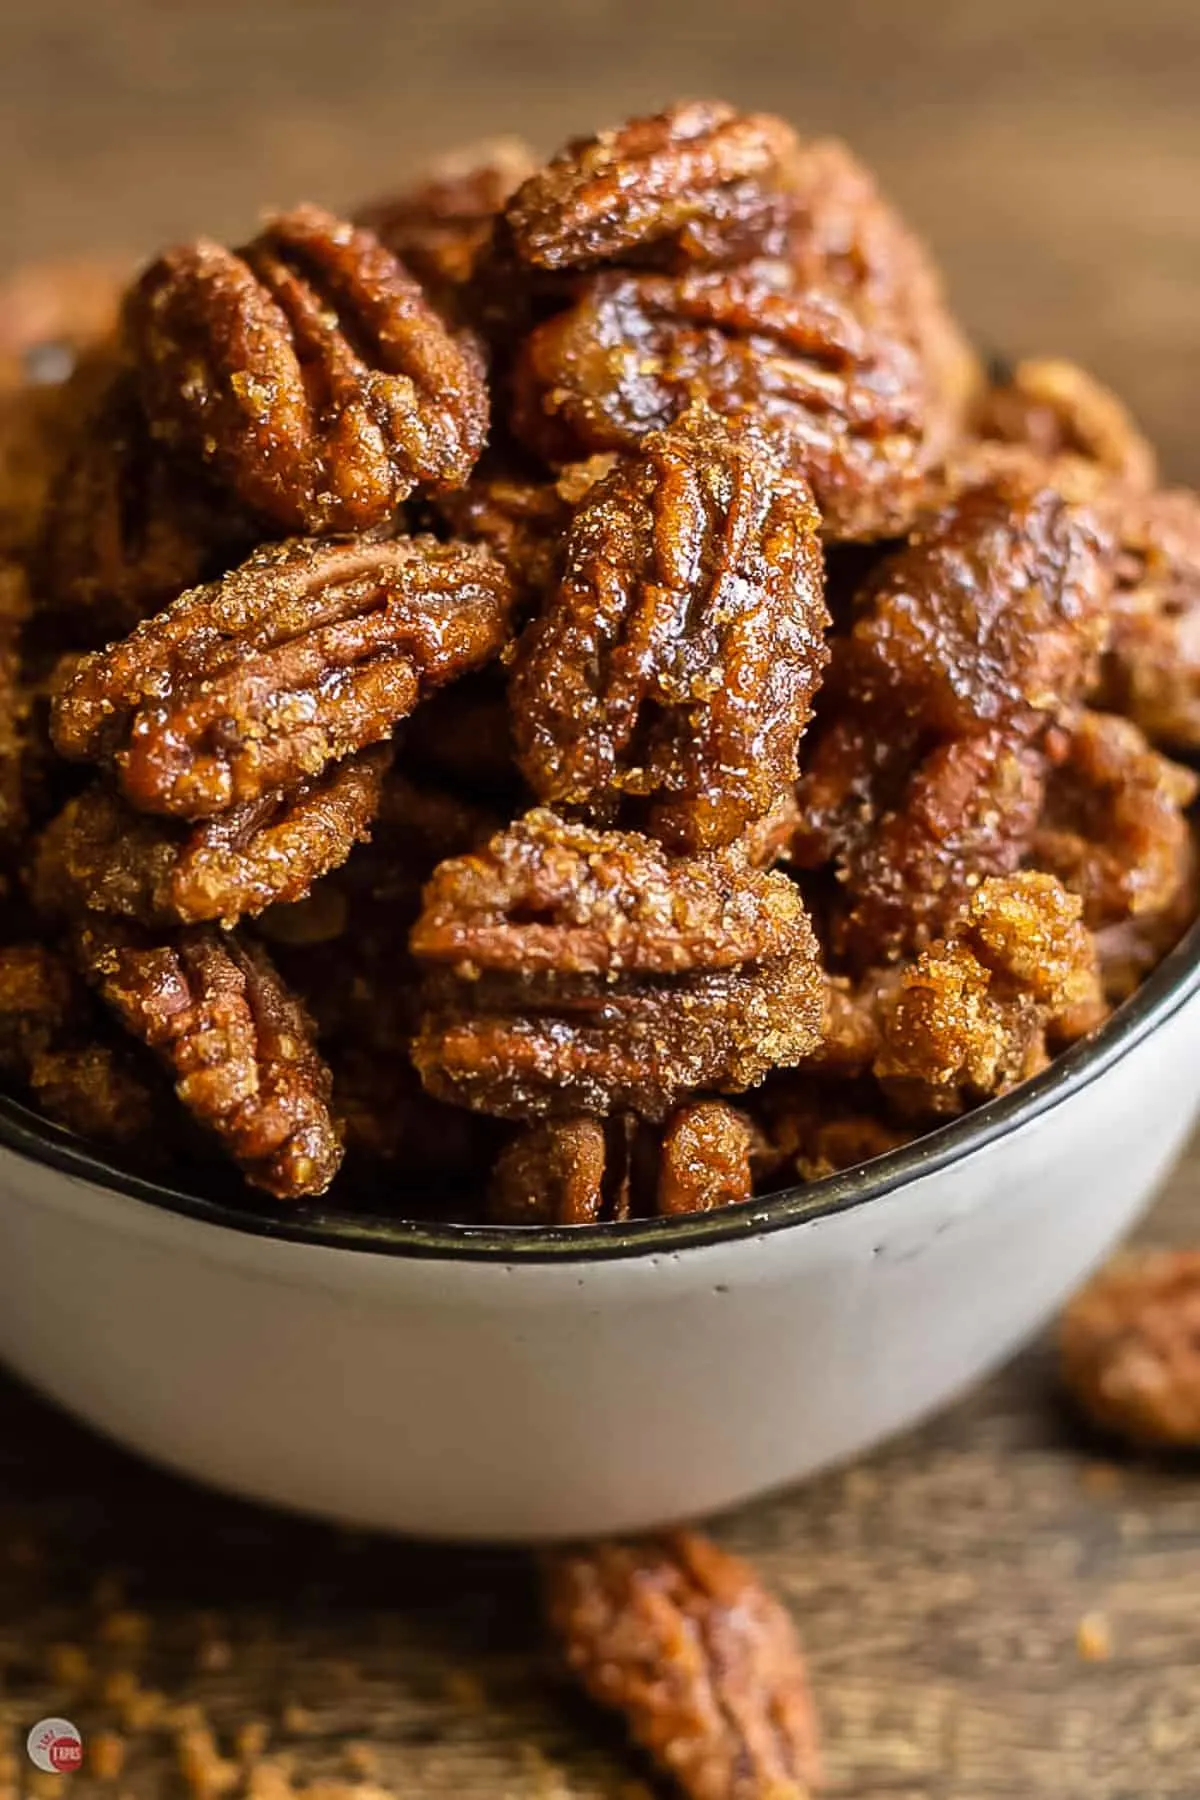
{"x":683,"y":1640}
{"x":550,"y":897}
{"x":697,"y":183}
{"x":968,"y":644}
{"x":309,"y":370}
{"x":969,"y":1017}
{"x":237,"y":1044}
{"x":50,"y":1042}
{"x":587,"y":972}
{"x":1114,"y":829}
{"x":1056,"y":409}
{"x":1130,"y":949}
{"x":850,"y":1022}
{"x":553,"y":1174}
{"x":577,"y":1171}
{"x":1152,"y":668}
{"x":845,"y":397}
{"x":99,"y":856}
{"x":439,"y":225}
{"x":705,"y":1159}
{"x":309,"y":651}
{"x":675,"y":664}
{"x":1130,"y":1346}
{"x":125,"y":530}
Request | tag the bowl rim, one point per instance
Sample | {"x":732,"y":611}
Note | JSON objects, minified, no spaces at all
{"x":1168,"y":988}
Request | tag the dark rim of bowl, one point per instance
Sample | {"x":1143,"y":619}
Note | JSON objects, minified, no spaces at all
{"x":1172,"y":984}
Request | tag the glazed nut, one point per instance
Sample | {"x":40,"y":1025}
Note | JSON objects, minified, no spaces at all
{"x":1130,"y":1344}
{"x":311,"y":650}
{"x":672,"y":669}
{"x":309,"y":371}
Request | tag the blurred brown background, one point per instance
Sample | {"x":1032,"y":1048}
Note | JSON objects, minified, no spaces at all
{"x":992,"y":1612}
{"x":1051,"y":152}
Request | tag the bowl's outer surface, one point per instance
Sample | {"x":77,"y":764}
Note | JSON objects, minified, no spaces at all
{"x":478,"y":1399}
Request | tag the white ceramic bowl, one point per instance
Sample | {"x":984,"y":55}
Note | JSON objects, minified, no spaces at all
{"x":473,"y":1383}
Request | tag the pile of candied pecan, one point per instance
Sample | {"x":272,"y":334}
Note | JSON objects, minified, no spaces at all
{"x":488,"y":681}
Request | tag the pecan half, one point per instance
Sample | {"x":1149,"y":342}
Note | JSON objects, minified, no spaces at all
{"x":580,"y":971}
{"x":309,"y":370}
{"x":702,"y":1663}
{"x":697,"y":183}
{"x":99,"y":856}
{"x":309,"y":651}
{"x":969,"y":643}
{"x":970,"y":1017}
{"x":673,"y":669}
{"x":845,"y":396}
{"x":1130,"y":1346}
{"x":236,"y":1043}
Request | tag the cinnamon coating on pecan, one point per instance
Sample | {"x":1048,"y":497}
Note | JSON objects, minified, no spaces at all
{"x":702,"y":1663}
{"x":1058,"y":411}
{"x":584,"y":971}
{"x":1114,"y":829}
{"x":970,"y":1017}
{"x":579,"y":1171}
{"x":236,"y":1043}
{"x":309,"y":371}
{"x":99,"y":856}
{"x":968,"y":644}
{"x":125,"y":528}
{"x":672,"y":671}
{"x":1151,"y":670}
{"x":1130,"y":1348}
{"x":698,"y":183}
{"x":844,"y":397}
{"x":308,"y":652}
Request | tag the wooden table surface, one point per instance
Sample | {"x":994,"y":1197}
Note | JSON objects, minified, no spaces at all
{"x":948,"y":1586}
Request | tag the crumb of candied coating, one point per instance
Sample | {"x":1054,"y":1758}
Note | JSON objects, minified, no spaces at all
{"x":1130,"y":1348}
{"x":238,"y":1046}
{"x":309,"y":651}
{"x":969,"y":1018}
{"x":683,"y":1641}
{"x":308,"y":370}
{"x":1057,"y":409}
{"x":672,"y":670}
{"x":1115,"y":829}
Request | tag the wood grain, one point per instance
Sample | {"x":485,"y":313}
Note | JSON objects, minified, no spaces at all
{"x":1051,"y":155}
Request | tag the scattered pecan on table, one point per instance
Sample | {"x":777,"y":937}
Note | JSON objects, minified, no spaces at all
{"x":702,"y":1663}
{"x":1130,"y":1346}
